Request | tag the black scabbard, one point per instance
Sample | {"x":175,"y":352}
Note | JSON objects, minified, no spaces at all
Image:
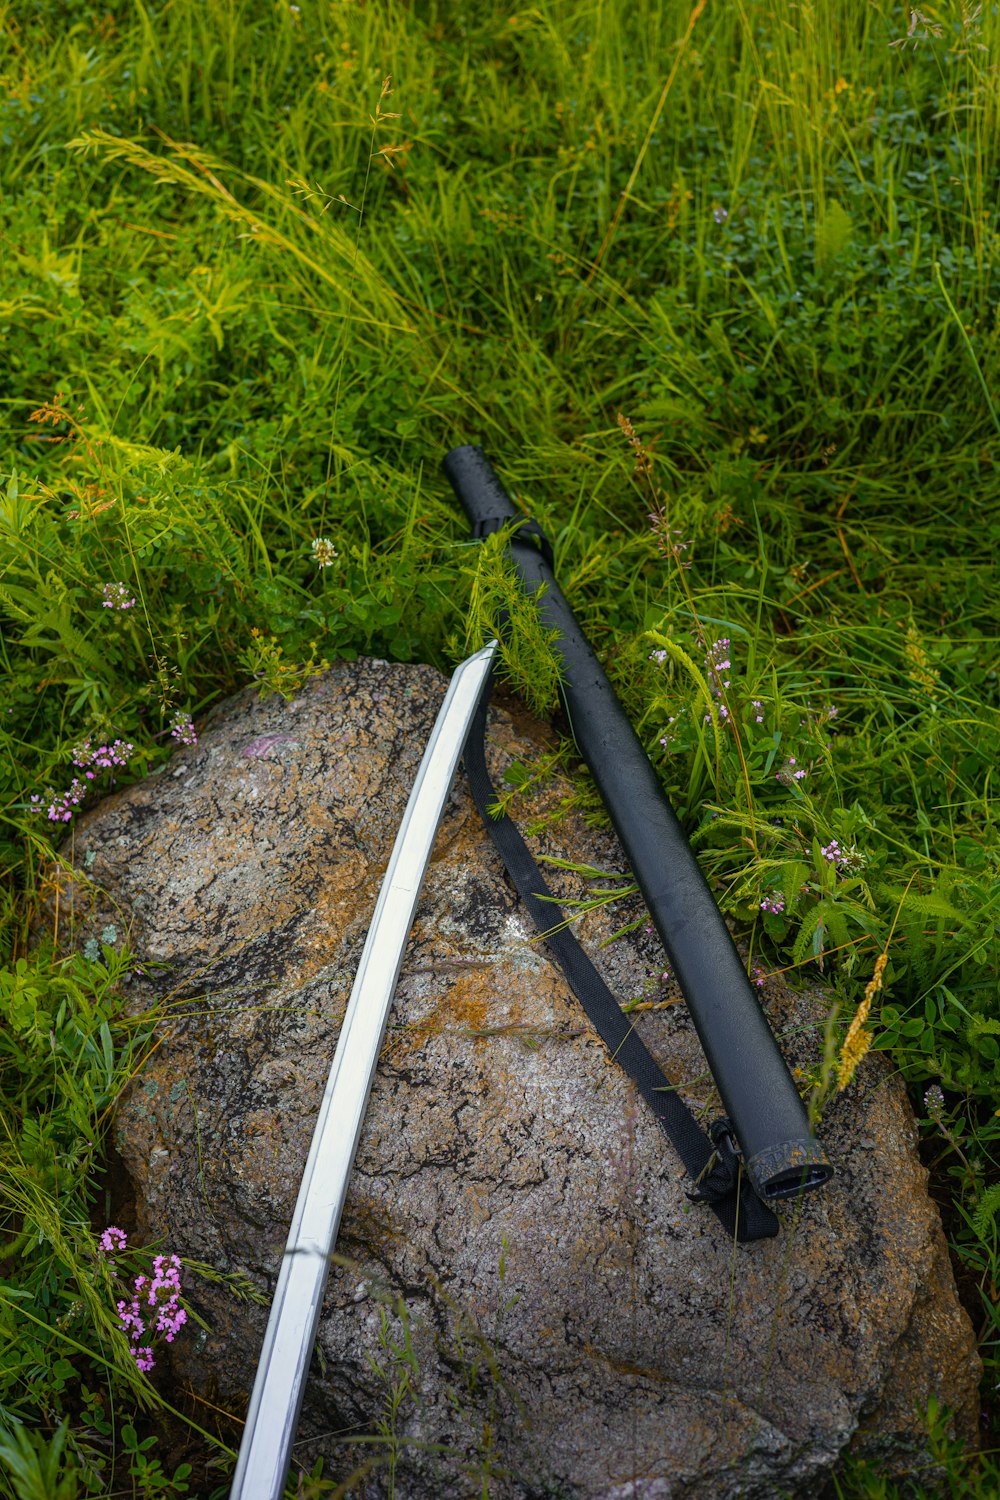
{"x":781,"y":1155}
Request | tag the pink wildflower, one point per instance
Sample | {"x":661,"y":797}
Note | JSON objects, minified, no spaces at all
{"x":112,"y":1239}
{"x":61,"y":805}
{"x":182,"y":729}
{"x":790,"y":773}
{"x":116,"y":596}
{"x":668,"y":739}
{"x":158,"y":1295}
{"x":104,"y":757}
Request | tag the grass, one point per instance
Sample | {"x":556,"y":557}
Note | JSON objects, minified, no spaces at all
{"x":262,"y":266}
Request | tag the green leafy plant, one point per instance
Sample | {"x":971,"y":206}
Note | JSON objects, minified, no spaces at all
{"x":731,"y":338}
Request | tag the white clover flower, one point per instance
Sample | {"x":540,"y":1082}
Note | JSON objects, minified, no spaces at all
{"x":324,"y":551}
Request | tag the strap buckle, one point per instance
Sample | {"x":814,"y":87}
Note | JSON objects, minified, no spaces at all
{"x":720,"y":1175}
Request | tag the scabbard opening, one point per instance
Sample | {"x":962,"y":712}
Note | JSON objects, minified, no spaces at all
{"x":789,"y":1169}
{"x":797,"y":1180}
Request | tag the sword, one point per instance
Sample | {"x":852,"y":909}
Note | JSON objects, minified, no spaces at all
{"x":279,"y":1386}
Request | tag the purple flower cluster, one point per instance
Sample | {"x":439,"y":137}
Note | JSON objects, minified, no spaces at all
{"x":717,"y":662}
{"x":833,"y":852}
{"x":666,"y":740}
{"x":717,"y":665}
{"x":774,"y":902}
{"x":104,"y":757}
{"x":113,"y":1239}
{"x":154,"y":1307}
{"x":116,"y":596}
{"x":790,"y":773}
{"x":91,"y":760}
{"x":182,"y":729}
{"x":934,"y":1101}
{"x":816,"y":718}
{"x":61,"y":805}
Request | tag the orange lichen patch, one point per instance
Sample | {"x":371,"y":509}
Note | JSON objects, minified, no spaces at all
{"x":470,"y":1003}
{"x":483,"y":1000}
{"x":465,"y":1006}
{"x":348,"y":891}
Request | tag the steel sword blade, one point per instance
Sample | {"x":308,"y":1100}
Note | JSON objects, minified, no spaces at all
{"x":279,"y":1386}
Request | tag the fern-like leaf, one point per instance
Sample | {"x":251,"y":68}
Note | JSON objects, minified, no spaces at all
{"x":982,"y":1026}
{"x":986,"y":1211}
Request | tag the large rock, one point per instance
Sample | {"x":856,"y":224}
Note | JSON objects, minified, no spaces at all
{"x":577,"y":1328}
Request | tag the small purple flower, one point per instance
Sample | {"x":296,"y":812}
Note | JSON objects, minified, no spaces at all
{"x":91,"y":760}
{"x":116,"y":596}
{"x":112,"y":1239}
{"x":844,"y":859}
{"x":182,"y":729}
{"x":773,"y":902}
{"x":104,"y":757}
{"x":160,"y":1293}
{"x":720,"y":215}
{"x":717,"y":664}
{"x":934,"y":1101}
{"x":62,"y":805}
{"x":668,"y":538}
{"x":130,"y":1319}
{"x":790,"y":773}
{"x":668,"y":739}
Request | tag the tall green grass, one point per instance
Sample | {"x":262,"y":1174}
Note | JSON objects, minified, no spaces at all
{"x":250,"y":294}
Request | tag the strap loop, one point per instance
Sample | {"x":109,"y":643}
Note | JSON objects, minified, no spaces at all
{"x":486,"y":525}
{"x":713,"y":1163}
{"x":722,"y":1177}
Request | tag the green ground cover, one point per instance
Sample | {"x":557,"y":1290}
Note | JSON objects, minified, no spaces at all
{"x":716,"y":289}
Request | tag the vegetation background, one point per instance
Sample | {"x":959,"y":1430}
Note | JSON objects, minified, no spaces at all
{"x":716,"y":288}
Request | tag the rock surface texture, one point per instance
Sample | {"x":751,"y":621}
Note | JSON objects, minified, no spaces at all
{"x":577,"y":1328}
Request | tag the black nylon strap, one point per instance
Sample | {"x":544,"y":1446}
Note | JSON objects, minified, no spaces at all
{"x":712,"y":1163}
{"x":522,"y":527}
